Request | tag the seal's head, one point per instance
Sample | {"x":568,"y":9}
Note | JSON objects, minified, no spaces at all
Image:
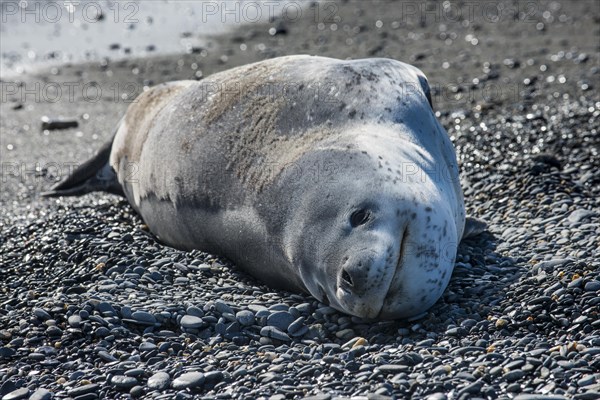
{"x":373,"y":233}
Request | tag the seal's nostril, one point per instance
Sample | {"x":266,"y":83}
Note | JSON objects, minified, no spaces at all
{"x":347,"y":279}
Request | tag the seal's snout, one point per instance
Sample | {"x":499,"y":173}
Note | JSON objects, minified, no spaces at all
{"x":362,"y":284}
{"x":353,"y":276}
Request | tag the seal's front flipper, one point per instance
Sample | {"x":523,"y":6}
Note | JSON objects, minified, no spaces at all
{"x":473,"y":227}
{"x":95,"y":174}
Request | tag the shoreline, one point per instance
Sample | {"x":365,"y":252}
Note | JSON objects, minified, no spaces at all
{"x":34,"y":33}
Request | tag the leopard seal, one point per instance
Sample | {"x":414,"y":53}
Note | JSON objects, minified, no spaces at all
{"x":313,"y":174}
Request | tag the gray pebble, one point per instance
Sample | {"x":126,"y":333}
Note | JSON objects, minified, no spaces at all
{"x":135,"y":372}
{"x":144,"y":317}
{"x":159,"y":381}
{"x":195,"y":311}
{"x":296,"y":326}
{"x":17,"y":394}
{"x":274,"y":333}
{"x":147,"y":346}
{"x":586,"y":380}
{"x":393,"y":368}
{"x":280,"y":320}
{"x":188,"y":380}
{"x":89,"y":388}
{"x":578,"y":215}
{"x":41,"y":314}
{"x":245,"y":317}
{"x":515,"y":375}
{"x":137,"y":391}
{"x":592,"y":286}
{"x":437,"y":396}
{"x":222,"y":307}
{"x":74,"y":321}
{"x":106,"y":357}
{"x":6,"y":352}
{"x":105,"y":307}
{"x":191,"y":322}
{"x":123,"y":381}
{"x":41,"y":394}
{"x":213,"y":377}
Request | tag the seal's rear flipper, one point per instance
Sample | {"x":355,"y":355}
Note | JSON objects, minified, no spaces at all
{"x":473,"y":227}
{"x":95,"y":174}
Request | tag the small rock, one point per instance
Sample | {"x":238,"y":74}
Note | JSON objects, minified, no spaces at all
{"x":41,"y":314}
{"x":578,"y":215}
{"x":188,"y":380}
{"x":213,"y":377}
{"x":106,"y":356}
{"x":147,"y":346}
{"x":89,"y":388}
{"x":51,"y":124}
{"x":6,"y":352}
{"x":41,"y":394}
{"x":191,"y":322}
{"x":245,"y":317}
{"x":123,"y":381}
{"x":592,"y":286}
{"x":223,"y":308}
{"x":393,"y":368}
{"x":514,"y":375}
{"x":159,"y":381}
{"x":280,"y":319}
{"x":274,"y":333}
{"x":17,"y":394}
{"x":192,"y":310}
{"x":501,"y":323}
{"x":74,"y":321}
{"x":345,"y":334}
{"x":144,"y":316}
{"x":137,"y":391}
{"x":296,"y":326}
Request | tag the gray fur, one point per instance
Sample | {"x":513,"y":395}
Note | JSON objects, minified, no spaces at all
{"x":266,"y":163}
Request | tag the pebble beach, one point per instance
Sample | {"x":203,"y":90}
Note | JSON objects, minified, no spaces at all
{"x":92,"y":306}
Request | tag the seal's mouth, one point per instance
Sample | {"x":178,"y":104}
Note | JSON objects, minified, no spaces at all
{"x":390,"y":290}
{"x":370,"y":304}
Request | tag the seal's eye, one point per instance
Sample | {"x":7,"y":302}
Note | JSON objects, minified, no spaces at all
{"x":359,"y":217}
